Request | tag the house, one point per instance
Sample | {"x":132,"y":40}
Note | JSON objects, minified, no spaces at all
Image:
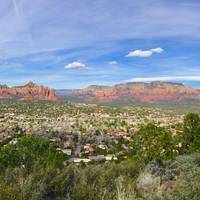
{"x":55,"y":140}
{"x":88,"y":149}
{"x":14,"y":141}
{"x":121,"y":134}
{"x":79,"y":160}
{"x":102,"y":146}
{"x":4,"y":136}
{"x":96,"y":158}
{"x":110,"y":157}
{"x":67,"y":151}
{"x":67,"y":143}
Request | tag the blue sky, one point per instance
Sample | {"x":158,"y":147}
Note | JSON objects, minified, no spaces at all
{"x":73,"y":44}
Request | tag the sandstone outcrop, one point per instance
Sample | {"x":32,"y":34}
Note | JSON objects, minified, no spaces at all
{"x":28,"y":92}
{"x":139,"y":92}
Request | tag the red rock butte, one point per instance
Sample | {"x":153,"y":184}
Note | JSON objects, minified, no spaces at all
{"x":142,"y":92}
{"x":28,"y":92}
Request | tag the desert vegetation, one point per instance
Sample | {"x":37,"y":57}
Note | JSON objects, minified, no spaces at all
{"x":157,"y":162}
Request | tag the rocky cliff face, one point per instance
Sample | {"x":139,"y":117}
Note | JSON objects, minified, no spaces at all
{"x":28,"y":92}
{"x":139,"y":92}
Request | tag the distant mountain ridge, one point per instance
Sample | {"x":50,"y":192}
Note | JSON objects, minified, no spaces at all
{"x":28,"y":92}
{"x":153,"y":92}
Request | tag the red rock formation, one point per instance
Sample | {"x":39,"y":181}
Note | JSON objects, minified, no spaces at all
{"x":140,"y":92}
{"x":28,"y":92}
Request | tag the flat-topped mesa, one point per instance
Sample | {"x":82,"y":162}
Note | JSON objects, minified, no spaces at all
{"x":28,"y":92}
{"x":139,"y":92}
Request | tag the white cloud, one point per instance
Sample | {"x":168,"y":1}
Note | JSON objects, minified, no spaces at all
{"x":113,"y":62}
{"x":139,"y":53}
{"x":157,"y":50}
{"x":165,"y":78}
{"x":146,"y":53}
{"x":76,"y":65}
{"x":22,"y":23}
